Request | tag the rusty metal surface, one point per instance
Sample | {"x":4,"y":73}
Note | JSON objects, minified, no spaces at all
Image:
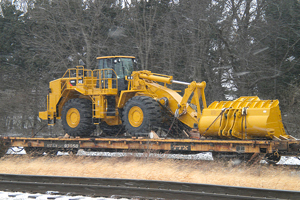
{"x":134,"y":188}
{"x":285,"y":147}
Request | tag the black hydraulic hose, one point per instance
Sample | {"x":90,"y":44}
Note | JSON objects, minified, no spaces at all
{"x":39,"y":130}
{"x":171,"y":126}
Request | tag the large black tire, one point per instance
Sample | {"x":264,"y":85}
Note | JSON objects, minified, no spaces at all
{"x":111,"y":130}
{"x":141,"y":114}
{"x":77,"y":117}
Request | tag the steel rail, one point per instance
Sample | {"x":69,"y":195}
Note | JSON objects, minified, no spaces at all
{"x":133,"y":188}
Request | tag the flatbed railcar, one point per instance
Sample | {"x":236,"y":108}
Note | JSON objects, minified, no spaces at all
{"x":250,"y":149}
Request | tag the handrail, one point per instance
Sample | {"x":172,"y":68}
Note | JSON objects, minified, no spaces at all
{"x":77,"y":73}
{"x":106,"y":78}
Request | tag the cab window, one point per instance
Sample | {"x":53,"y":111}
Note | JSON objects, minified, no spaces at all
{"x":122,"y":66}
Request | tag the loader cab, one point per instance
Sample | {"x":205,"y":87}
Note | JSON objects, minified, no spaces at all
{"x":122,"y":65}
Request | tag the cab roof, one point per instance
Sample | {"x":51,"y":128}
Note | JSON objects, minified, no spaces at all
{"x":103,"y":57}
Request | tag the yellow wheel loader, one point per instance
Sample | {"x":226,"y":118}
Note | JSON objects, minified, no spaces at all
{"x":115,"y":96}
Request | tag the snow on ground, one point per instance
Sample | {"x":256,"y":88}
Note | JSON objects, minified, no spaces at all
{"x":25,"y":196}
{"x":16,"y":150}
{"x":200,"y":156}
{"x":285,"y":160}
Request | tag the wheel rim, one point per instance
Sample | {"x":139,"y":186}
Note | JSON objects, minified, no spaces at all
{"x":73,"y":117}
{"x":135,"y":116}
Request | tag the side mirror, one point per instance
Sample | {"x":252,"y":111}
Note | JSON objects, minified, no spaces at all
{"x":135,"y":65}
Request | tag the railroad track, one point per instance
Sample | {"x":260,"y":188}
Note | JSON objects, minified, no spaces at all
{"x":135,"y":188}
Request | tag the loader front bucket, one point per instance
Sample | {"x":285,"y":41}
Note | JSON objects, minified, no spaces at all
{"x":243,"y":118}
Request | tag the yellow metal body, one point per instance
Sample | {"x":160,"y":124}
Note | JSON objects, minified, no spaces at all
{"x":73,"y":117}
{"x":244,"y":118}
{"x":146,"y":83}
{"x":136,"y":116}
{"x":81,"y":83}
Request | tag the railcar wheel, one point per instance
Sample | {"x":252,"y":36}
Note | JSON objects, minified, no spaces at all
{"x":50,"y":152}
{"x":3,"y":147}
{"x":141,"y":114}
{"x":73,"y":152}
{"x":33,"y":151}
{"x":234,"y":157}
{"x":77,"y":117}
{"x":272,"y":159}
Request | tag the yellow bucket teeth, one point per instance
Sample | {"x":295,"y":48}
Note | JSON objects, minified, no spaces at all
{"x":244,"y":118}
